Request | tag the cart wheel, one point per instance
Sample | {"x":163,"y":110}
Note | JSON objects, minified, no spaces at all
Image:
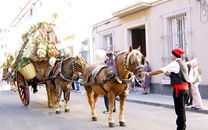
{"x":23,"y":88}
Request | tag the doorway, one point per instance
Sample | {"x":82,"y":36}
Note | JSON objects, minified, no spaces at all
{"x":138,"y":39}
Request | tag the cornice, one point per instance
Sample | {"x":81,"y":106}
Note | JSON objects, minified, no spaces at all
{"x":136,"y":7}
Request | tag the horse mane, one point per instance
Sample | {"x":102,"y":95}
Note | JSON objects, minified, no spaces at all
{"x":133,"y":52}
{"x":68,"y":58}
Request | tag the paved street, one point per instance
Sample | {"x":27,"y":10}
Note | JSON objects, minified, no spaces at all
{"x":138,"y":116}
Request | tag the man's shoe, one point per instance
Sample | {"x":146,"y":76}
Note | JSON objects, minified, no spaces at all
{"x":189,"y":104}
{"x":106,"y":112}
{"x":144,"y":93}
{"x":35,"y":91}
{"x":197,"y":108}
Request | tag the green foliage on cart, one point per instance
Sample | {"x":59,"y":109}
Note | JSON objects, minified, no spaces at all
{"x":63,"y":53}
{"x":24,"y":62}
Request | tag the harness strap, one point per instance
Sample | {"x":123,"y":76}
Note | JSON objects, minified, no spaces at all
{"x":68,"y":79}
{"x":103,"y":88}
{"x":119,"y":79}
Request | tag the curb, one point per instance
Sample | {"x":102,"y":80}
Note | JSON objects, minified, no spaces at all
{"x":159,"y":104}
{"x":166,"y":106}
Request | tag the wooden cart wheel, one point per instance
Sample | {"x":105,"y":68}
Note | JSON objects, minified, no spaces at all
{"x":23,"y":88}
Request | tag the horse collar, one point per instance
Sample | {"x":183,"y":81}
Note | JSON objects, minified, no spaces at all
{"x":119,"y":79}
{"x":74,"y":63}
{"x":61,"y":70}
{"x":125,"y":61}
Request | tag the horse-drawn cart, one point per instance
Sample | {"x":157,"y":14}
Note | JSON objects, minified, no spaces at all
{"x":32,"y":59}
{"x":23,"y":83}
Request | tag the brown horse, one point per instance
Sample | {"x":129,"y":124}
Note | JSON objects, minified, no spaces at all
{"x":98,"y":83}
{"x":64,"y":71}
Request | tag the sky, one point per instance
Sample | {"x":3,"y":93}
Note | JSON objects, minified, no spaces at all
{"x":9,"y":9}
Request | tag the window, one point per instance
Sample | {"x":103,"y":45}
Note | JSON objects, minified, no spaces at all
{"x":107,"y":42}
{"x":176,"y":32}
{"x":3,"y":46}
{"x":5,"y":30}
{"x":0,"y":30}
{"x":85,"y":52}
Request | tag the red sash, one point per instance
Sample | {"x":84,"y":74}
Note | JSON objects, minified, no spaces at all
{"x":183,"y":86}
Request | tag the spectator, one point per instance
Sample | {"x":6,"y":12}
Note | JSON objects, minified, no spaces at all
{"x":107,"y":104}
{"x":146,"y":83}
{"x":197,"y":101}
{"x":73,"y":86}
{"x":78,"y":80}
{"x":77,"y":85}
{"x":190,"y":94}
{"x":108,"y":62}
{"x":178,"y":72}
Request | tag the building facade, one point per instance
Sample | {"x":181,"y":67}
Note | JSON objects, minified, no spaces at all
{"x":4,"y":45}
{"x":74,"y":24}
{"x":158,"y":26}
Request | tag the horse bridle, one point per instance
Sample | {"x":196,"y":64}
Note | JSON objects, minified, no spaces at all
{"x":75,"y":63}
{"x":131,"y":62}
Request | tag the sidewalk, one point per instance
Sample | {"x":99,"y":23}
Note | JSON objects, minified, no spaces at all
{"x":156,"y":100}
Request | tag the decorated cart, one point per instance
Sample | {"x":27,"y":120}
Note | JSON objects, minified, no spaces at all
{"x":31,"y":59}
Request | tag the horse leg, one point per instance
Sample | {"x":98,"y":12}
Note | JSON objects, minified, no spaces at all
{"x":58,"y":95}
{"x":91,"y":102}
{"x":67,"y":98}
{"x":111,"y":98}
{"x":50,"y":104}
{"x":121,"y":109}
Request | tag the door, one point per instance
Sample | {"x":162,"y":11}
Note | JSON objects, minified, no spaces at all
{"x":138,"y":39}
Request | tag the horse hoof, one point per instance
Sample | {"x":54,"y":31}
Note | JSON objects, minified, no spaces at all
{"x":111,"y":124}
{"x":122,"y":123}
{"x":66,"y":110}
{"x":58,"y":112}
{"x":50,"y":106}
{"x":94,"y":118}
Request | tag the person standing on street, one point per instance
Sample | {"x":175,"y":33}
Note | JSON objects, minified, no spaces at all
{"x":190,"y":95}
{"x":146,"y":83}
{"x":178,"y":72}
{"x":197,"y":101}
{"x":108,"y":62}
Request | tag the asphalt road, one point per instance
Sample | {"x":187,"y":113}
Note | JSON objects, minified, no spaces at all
{"x":37,"y":116}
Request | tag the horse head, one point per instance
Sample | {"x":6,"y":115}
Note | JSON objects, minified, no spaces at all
{"x":134,"y":61}
{"x":78,"y":64}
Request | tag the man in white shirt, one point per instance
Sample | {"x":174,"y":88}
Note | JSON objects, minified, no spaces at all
{"x":178,"y":72}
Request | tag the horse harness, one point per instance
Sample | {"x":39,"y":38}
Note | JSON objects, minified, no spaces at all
{"x":111,"y":73}
{"x":58,"y":70}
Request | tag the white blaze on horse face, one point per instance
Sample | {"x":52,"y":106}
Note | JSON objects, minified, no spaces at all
{"x":137,"y":58}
